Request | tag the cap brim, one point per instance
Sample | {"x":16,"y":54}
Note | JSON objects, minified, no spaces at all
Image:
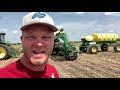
{"x":49,"y":25}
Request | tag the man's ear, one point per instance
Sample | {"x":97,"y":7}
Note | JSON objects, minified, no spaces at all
{"x":21,"y":37}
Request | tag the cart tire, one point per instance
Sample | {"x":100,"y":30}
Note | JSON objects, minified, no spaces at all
{"x":117,"y":48}
{"x":83,"y":49}
{"x":104,"y":47}
{"x":92,"y":49}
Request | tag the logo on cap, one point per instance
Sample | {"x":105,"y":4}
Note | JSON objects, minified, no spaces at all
{"x":39,"y":15}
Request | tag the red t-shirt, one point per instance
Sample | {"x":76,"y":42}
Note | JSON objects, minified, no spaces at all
{"x":18,"y":70}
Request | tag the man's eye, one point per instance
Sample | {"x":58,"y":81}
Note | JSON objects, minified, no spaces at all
{"x":46,"y":37}
{"x":30,"y":37}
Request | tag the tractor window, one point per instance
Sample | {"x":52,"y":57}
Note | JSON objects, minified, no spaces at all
{"x":61,"y":40}
{"x":2,"y":38}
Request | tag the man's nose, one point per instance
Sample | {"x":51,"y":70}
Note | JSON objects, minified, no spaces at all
{"x":39,"y":43}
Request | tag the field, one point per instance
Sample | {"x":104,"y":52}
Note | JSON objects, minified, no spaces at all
{"x":100,"y":65}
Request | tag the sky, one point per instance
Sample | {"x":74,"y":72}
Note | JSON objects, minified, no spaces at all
{"x":75,"y":24}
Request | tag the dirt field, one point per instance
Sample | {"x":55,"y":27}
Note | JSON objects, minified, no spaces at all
{"x":100,"y":65}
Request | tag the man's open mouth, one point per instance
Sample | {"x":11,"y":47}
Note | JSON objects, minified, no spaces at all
{"x":38,"y":52}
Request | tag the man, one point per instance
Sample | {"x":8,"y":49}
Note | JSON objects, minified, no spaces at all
{"x":37,"y":41}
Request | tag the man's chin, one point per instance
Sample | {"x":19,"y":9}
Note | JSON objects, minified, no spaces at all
{"x":38,"y":61}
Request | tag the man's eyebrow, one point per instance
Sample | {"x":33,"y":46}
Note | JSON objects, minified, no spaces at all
{"x":28,"y":32}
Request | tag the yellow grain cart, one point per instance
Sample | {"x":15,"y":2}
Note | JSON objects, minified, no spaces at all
{"x":91,"y":43}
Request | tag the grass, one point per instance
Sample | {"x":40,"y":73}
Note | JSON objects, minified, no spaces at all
{"x":16,"y":46}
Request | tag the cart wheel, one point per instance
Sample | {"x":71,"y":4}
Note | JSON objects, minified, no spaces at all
{"x":104,"y":47}
{"x":92,"y":49}
{"x":83,"y":49}
{"x":117,"y":48}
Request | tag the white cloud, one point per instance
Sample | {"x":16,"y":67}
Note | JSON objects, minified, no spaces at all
{"x":89,"y":12}
{"x":14,"y":32}
{"x":59,"y":27}
{"x":79,"y":13}
{"x":111,"y":31}
{"x":112,"y":13}
{"x":99,"y":29}
{"x":70,"y":33}
{"x":94,"y":12}
{"x":105,"y":13}
{"x":4,"y":30}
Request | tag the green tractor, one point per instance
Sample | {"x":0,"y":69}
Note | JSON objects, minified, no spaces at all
{"x":6,"y":51}
{"x":62,"y":47}
{"x":91,"y":43}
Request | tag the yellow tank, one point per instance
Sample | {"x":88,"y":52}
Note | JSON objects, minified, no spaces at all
{"x":88,"y":38}
{"x":105,"y":37}
{"x":115,"y":37}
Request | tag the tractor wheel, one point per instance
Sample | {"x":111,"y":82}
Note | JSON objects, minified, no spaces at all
{"x":71,"y":57}
{"x":5,"y":52}
{"x":83,"y":49}
{"x":74,"y":57}
{"x":92,"y":49}
{"x":117,"y":48}
{"x":56,"y":51}
{"x":11,"y":50}
{"x":104,"y":47}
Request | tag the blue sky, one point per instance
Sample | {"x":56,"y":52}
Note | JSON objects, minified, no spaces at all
{"x":75,"y":24}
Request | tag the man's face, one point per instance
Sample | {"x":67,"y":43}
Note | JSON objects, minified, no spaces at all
{"x":37,"y":41}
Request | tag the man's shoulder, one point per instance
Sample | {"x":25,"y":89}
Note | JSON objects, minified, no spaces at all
{"x":5,"y":72}
{"x":8,"y":67}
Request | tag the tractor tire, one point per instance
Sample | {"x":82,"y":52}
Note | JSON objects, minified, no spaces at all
{"x":5,"y":52}
{"x":11,"y":50}
{"x":74,"y":57}
{"x":104,"y":47}
{"x":92,"y":49}
{"x":83,"y":49}
{"x":71,"y":58}
{"x":56,"y":51}
{"x":117,"y":48}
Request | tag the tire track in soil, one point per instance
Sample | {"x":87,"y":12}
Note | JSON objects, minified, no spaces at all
{"x":68,"y":70}
{"x":111,"y":69}
{"x":105,"y":72}
{"x":91,"y":67}
{"x":61,"y":68}
{"x":105,"y":61}
{"x":112,"y":56}
{"x":78,"y":72}
{"x":86,"y":70}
